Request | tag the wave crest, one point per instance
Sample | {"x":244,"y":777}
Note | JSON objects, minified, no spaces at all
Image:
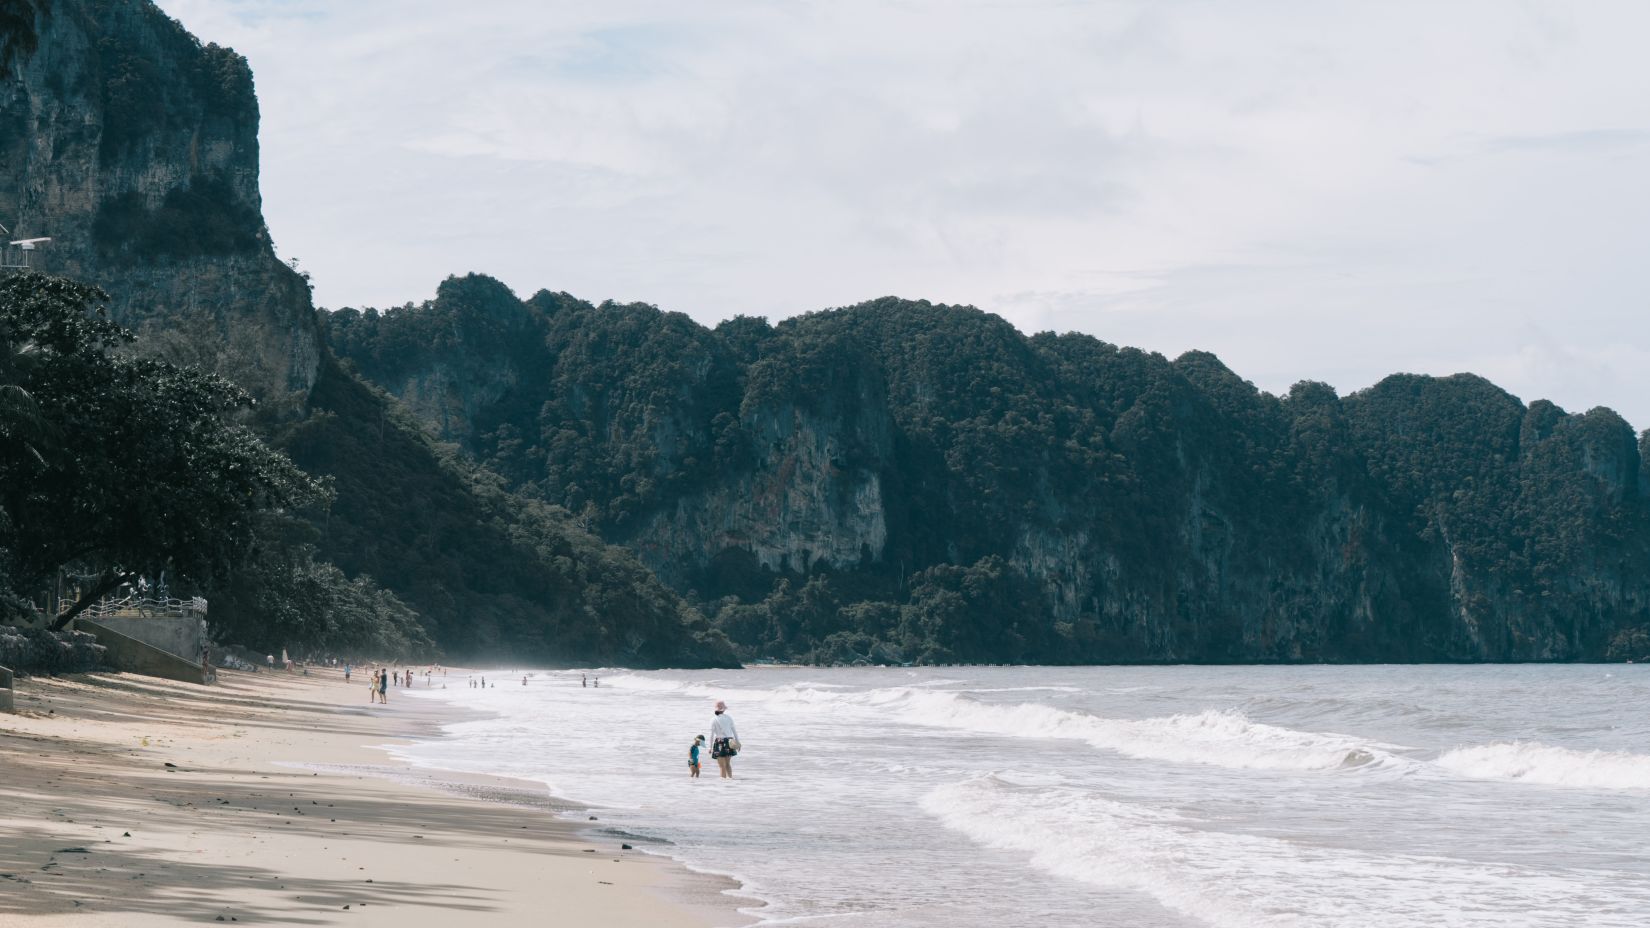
{"x":1533,"y":762}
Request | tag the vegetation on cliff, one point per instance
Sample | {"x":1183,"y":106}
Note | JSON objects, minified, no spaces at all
{"x":489,"y":572}
{"x":113,"y":467}
{"x":931,"y":484}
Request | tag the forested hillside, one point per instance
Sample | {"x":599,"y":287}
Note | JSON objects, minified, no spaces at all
{"x":904,"y":481}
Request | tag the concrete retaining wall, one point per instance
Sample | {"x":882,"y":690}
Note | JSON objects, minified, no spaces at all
{"x":184,"y":636}
{"x":8,"y":701}
{"x":130,"y":655}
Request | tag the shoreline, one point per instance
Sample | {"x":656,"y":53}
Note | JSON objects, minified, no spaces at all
{"x":271,"y":797}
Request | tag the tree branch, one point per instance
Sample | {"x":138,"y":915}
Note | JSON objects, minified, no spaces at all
{"x":109,"y":581}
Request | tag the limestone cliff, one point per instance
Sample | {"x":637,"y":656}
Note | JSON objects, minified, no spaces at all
{"x":135,"y":148}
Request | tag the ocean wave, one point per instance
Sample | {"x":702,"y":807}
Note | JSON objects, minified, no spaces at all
{"x":1252,"y":881}
{"x":1533,"y":762}
{"x":1219,"y":737}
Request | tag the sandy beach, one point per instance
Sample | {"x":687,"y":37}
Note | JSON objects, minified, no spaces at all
{"x":268,"y":799}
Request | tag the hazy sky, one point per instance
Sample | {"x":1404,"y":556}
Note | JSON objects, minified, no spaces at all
{"x":1314,"y":189}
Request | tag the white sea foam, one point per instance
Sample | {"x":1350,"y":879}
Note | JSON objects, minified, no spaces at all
{"x":1533,"y":762}
{"x":1248,"y":881}
{"x":1221,"y":737}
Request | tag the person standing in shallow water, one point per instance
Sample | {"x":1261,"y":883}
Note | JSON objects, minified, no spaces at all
{"x":724,"y":740}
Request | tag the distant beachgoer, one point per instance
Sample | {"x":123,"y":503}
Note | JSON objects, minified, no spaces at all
{"x":269,"y":661}
{"x":383,"y":687}
{"x":523,"y":681}
{"x":372,"y":688}
{"x":597,"y":683}
{"x":346,"y":673}
{"x":724,"y":740}
{"x":693,"y":755}
{"x":584,"y":681}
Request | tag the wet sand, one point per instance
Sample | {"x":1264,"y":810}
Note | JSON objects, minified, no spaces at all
{"x":267,"y":799}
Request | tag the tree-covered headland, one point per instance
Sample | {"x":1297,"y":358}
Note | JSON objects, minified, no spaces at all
{"x":900,"y":480}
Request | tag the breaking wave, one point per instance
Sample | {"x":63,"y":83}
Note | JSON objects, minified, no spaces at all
{"x":1533,"y":762}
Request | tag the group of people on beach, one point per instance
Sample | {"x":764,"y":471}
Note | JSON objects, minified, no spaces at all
{"x":724,"y":736}
{"x":379,"y":689}
{"x":724,"y":744}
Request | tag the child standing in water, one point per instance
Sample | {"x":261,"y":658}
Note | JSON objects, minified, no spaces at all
{"x":693,"y":756}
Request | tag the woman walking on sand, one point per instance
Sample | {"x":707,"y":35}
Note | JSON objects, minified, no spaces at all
{"x":724,"y":740}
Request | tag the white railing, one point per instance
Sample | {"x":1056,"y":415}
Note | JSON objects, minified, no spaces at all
{"x":141,"y":607}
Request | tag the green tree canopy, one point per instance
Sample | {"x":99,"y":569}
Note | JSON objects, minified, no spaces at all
{"x":148,"y":470}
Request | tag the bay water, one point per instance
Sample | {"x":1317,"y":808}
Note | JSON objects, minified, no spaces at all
{"x":1237,"y":797}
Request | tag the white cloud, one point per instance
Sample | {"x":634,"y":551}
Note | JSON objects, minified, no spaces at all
{"x":1332,"y":191}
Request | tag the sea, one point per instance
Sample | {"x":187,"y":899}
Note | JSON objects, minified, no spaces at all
{"x":1148,"y":797}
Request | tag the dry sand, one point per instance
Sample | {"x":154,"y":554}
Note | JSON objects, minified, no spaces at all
{"x":97,"y":829}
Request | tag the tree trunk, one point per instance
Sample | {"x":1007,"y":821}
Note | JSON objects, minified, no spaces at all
{"x":109,"y":581}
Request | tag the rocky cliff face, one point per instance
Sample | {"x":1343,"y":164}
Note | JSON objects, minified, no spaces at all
{"x":902,"y":461}
{"x":796,"y":510}
{"x":135,"y":148}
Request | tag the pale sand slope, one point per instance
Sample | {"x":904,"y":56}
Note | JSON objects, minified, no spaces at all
{"x":232,"y":832}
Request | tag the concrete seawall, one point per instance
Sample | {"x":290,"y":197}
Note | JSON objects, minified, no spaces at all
{"x":130,"y":655}
{"x":8,"y":701}
{"x":184,"y":636}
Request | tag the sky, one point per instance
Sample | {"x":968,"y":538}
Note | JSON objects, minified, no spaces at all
{"x":1315,"y":190}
